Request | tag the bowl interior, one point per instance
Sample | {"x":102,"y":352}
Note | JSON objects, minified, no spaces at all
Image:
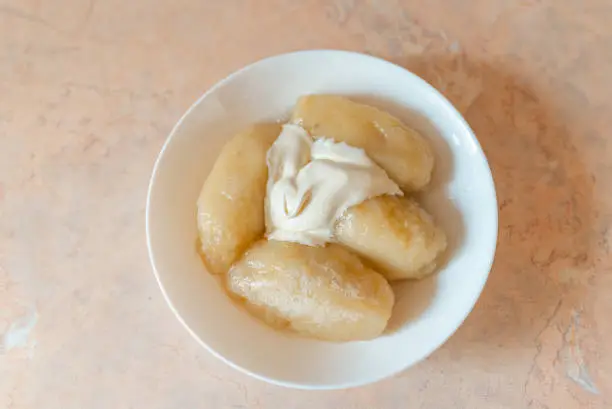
{"x":461,"y":197}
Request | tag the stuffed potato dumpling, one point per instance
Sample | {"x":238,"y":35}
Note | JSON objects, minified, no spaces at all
{"x":394,"y":234}
{"x":401,"y":151}
{"x":231,"y":203}
{"x":320,"y":292}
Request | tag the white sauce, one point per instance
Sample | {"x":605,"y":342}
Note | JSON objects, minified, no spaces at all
{"x":311,"y":183}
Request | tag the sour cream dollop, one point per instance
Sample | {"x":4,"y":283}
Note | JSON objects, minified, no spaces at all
{"x":312,"y":182}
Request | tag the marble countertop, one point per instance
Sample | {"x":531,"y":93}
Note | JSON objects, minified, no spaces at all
{"x":90,"y":89}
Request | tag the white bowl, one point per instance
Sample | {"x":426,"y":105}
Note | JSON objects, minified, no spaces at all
{"x":427,"y":312}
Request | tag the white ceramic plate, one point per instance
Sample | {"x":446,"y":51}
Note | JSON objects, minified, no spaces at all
{"x":461,"y":197}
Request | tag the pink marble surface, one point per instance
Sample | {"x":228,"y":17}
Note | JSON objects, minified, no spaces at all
{"x":88,"y":91}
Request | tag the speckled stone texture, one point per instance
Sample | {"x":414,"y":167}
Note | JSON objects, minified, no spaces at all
{"x":89,"y":90}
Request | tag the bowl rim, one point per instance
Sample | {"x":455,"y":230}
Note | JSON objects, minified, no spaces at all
{"x":365,"y":380}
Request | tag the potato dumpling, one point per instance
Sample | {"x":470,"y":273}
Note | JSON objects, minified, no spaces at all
{"x":402,"y":152}
{"x":231,"y":203}
{"x":394,"y":234}
{"x":320,"y":292}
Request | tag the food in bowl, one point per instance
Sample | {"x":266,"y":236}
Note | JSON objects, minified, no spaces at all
{"x":393,"y":234}
{"x":323,"y":292}
{"x":231,"y":203}
{"x":307,"y":223}
{"x":400,"y":150}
